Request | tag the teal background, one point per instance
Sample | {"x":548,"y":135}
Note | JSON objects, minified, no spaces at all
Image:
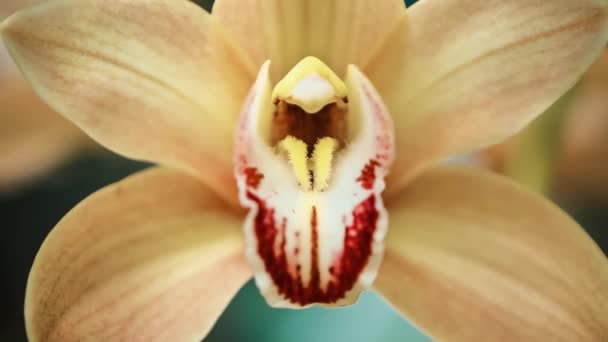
{"x":248,"y":318}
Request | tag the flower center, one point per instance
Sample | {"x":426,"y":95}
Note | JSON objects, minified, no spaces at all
{"x":292,"y":120}
{"x":311,"y":155}
{"x":309,"y":120}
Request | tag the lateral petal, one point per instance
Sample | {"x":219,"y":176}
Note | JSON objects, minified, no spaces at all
{"x":155,"y":257}
{"x":473,"y":257}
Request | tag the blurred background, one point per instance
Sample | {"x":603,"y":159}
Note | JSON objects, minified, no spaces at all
{"x":47,"y":166}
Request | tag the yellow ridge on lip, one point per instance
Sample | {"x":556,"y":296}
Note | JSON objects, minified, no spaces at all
{"x":297,"y":151}
{"x":322,"y":158}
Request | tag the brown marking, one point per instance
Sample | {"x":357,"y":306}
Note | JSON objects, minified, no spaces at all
{"x":292,"y":120}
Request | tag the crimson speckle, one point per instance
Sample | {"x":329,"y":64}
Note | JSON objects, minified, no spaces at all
{"x":368,"y":174}
{"x":358,"y":240}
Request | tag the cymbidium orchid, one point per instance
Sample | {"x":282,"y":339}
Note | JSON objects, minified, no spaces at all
{"x":33,"y":139}
{"x":345,"y":92}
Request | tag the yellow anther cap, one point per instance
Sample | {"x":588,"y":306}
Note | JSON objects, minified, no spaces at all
{"x":311,"y":85}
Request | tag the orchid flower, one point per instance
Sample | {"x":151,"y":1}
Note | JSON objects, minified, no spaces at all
{"x":298,"y":110}
{"x":33,"y":139}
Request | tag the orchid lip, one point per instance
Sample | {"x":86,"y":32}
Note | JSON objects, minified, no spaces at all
{"x":312,"y":174}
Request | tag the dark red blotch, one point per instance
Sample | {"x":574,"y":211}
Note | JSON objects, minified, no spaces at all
{"x":252,"y":177}
{"x":368,"y":174}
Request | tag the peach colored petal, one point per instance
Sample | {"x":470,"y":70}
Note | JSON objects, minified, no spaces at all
{"x":336,"y":31}
{"x":461,"y":75}
{"x":154,"y":257}
{"x":155,"y":80}
{"x":473,"y":257}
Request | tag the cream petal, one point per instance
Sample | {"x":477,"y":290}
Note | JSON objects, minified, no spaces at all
{"x":339,"y":32}
{"x":471,"y":73}
{"x":155,"y":80}
{"x":473,"y":257}
{"x":155,"y":257}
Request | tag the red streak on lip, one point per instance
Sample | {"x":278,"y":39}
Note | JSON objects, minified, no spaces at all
{"x":252,"y":177}
{"x":358,"y":239}
{"x":313,"y":290}
{"x":368,"y":174}
{"x":346,"y":269}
